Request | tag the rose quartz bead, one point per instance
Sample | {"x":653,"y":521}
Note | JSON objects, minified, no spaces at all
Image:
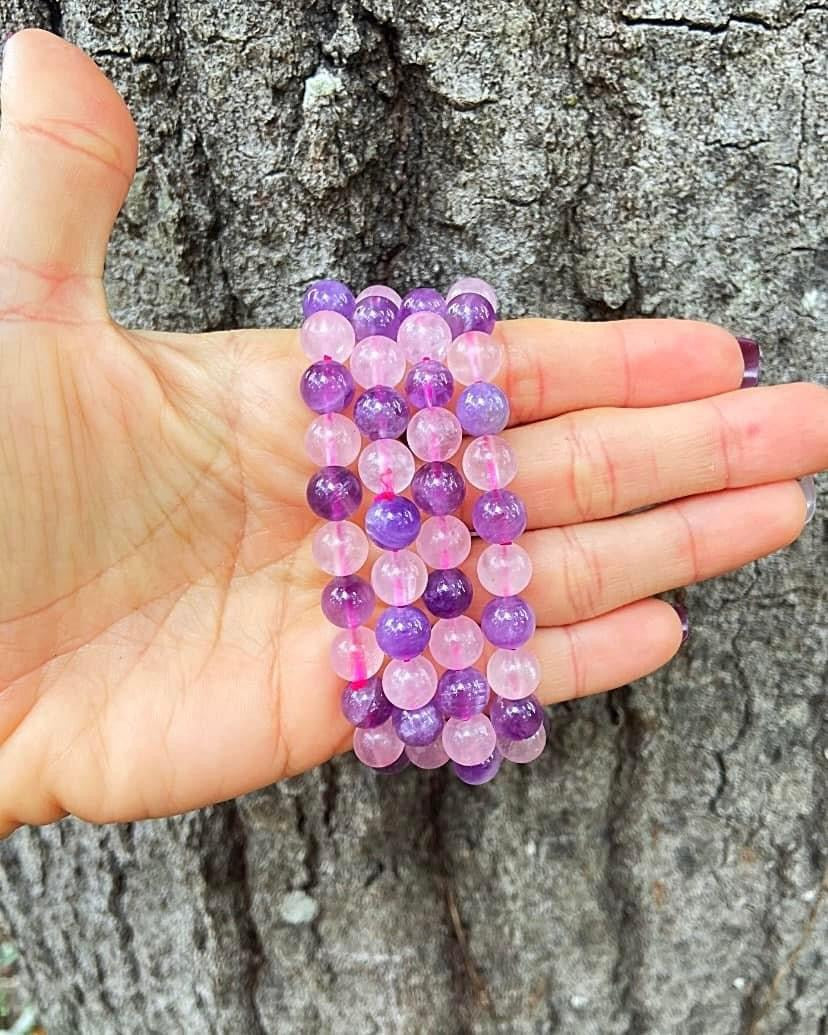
{"x":333,"y":440}
{"x":434,"y":434}
{"x":399,"y":577}
{"x":386,"y":466}
{"x":340,"y":547}
{"x":409,"y":684}
{"x":432,"y":756}
{"x":327,"y":333}
{"x":474,"y":356}
{"x":424,"y":335}
{"x":489,"y":462}
{"x":444,"y":542}
{"x":355,"y":654}
{"x":469,"y":741}
{"x":379,"y":746}
{"x":456,"y":642}
{"x":473,"y":286}
{"x":377,"y":360}
{"x":384,"y":292}
{"x":514,"y":674}
{"x":504,"y":570}
{"x":523,"y":750}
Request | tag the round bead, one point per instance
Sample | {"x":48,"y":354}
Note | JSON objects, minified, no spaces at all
{"x":334,"y":493}
{"x":365,"y":704}
{"x":523,"y":751}
{"x":383,"y":291}
{"x":473,"y":285}
{"x":482,"y":409}
{"x":499,"y":516}
{"x":462,"y":693}
{"x":479,"y":774}
{"x":381,"y":412}
{"x":429,"y":383}
{"x":332,"y":295}
{"x":504,"y":570}
{"x":423,"y":300}
{"x":340,"y":548}
{"x":401,"y":763}
{"x":444,"y":542}
{"x":375,"y":314}
{"x":386,"y":466}
{"x":399,"y":577}
{"x":378,"y":746}
{"x":456,"y":642}
{"x":508,"y":622}
{"x":392,"y":522}
{"x":327,"y":335}
{"x":470,"y":312}
{"x":424,"y":336}
{"x":377,"y":361}
{"x":489,"y":462}
{"x":418,"y":726}
{"x":516,"y":720}
{"x":438,"y":488}
{"x":355,"y":654}
{"x":474,"y":356}
{"x":430,"y":756}
{"x":332,"y":440}
{"x":403,"y":632}
{"x":409,"y":684}
{"x":347,"y":601}
{"x":448,"y":593}
{"x":434,"y":434}
{"x":326,"y":386}
{"x":469,"y":741}
{"x":514,"y":674}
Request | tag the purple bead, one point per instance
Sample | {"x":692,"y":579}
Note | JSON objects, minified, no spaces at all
{"x":419,"y":726}
{"x":429,"y":383}
{"x":375,"y":314}
{"x":462,"y":693}
{"x":381,"y":412}
{"x":499,"y":516}
{"x":392,"y":522}
{"x":403,"y":632}
{"x":470,"y":312}
{"x":334,"y":493}
{"x":364,"y":704}
{"x":438,"y":488}
{"x":516,"y":720}
{"x":478,"y":774}
{"x":482,"y":409}
{"x":403,"y":762}
{"x":327,"y":386}
{"x":347,"y":601}
{"x":448,"y":593}
{"x":328,"y":294}
{"x":508,"y":622}
{"x":424,"y":299}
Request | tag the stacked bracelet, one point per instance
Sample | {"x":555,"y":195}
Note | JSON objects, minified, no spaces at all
{"x":393,"y":364}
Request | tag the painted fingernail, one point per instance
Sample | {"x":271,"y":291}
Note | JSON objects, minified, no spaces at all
{"x":752,"y":356}
{"x":681,"y":611}
{"x":808,"y":486}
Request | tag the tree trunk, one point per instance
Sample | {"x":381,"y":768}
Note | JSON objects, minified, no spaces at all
{"x":663,"y":868}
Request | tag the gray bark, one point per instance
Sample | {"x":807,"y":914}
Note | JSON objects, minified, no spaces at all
{"x":663,"y":868}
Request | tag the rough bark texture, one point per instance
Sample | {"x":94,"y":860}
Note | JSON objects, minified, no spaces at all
{"x":663,"y":869}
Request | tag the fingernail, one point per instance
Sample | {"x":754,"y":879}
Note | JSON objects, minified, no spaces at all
{"x":808,"y":486}
{"x":752,"y":356}
{"x":681,"y":611}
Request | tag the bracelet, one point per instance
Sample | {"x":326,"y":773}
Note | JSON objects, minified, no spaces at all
{"x":406,"y":355}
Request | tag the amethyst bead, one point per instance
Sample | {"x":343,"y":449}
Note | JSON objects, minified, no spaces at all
{"x":347,"y":601}
{"x":327,"y":386}
{"x":462,"y":693}
{"x":424,"y":299}
{"x":375,"y":314}
{"x":328,"y":294}
{"x":448,"y":593}
{"x":499,"y":516}
{"x":478,"y":774}
{"x":419,"y":726}
{"x":364,"y":704}
{"x":438,"y":488}
{"x":508,"y":622}
{"x":334,"y":493}
{"x":429,"y":383}
{"x":403,"y":632}
{"x":482,"y":409}
{"x":392,"y":522}
{"x":470,"y":312}
{"x":381,"y":412}
{"x":516,"y":720}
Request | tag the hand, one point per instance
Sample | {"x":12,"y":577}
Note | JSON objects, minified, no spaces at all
{"x":161,"y":645}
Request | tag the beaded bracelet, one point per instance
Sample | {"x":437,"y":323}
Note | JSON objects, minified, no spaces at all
{"x":425,"y":344}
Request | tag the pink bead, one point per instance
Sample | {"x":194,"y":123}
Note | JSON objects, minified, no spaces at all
{"x":434,"y":434}
{"x":474,"y":286}
{"x":327,"y":333}
{"x":410,"y":684}
{"x":432,"y":756}
{"x":340,"y":547}
{"x":523,"y":750}
{"x":355,"y":654}
{"x":444,"y":542}
{"x":504,"y":570}
{"x":379,"y":746}
{"x":386,"y":466}
{"x":399,"y":577}
{"x":469,"y":741}
{"x":424,"y":335}
{"x":332,"y":440}
{"x":489,"y":462}
{"x":383,"y":291}
{"x":377,"y":360}
{"x":514,"y":674}
{"x":474,"y":356}
{"x":456,"y":642}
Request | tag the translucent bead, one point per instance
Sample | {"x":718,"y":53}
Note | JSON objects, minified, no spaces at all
{"x":499,"y":516}
{"x":423,"y":299}
{"x":479,"y":774}
{"x":328,"y":294}
{"x":340,"y":547}
{"x":386,"y":466}
{"x":489,"y":462}
{"x":448,"y":593}
{"x":429,"y":383}
{"x":469,"y":741}
{"x":474,"y":356}
{"x":365,"y":704}
{"x":456,"y":642}
{"x":355,"y":654}
{"x":434,"y":434}
{"x":334,"y":493}
{"x":474,"y":286}
{"x":482,"y":409}
{"x":409,"y":684}
{"x":418,"y":726}
{"x":444,"y":542}
{"x":516,"y":720}
{"x":514,"y":674}
{"x":378,"y":746}
{"x":504,"y":570}
{"x":381,"y":412}
{"x":327,"y":386}
{"x":383,"y":291}
{"x":392,"y":522}
{"x":375,"y":314}
{"x":378,"y":360}
{"x":430,"y":756}
{"x":403,"y":632}
{"x":470,"y":312}
{"x":399,"y":577}
{"x":523,"y":751}
{"x":424,"y":335}
{"x":391,"y":770}
{"x":508,"y":622}
{"x":438,"y":488}
{"x":327,"y":334}
{"x":462,"y":693}
{"x":333,"y":440}
{"x":347,"y":601}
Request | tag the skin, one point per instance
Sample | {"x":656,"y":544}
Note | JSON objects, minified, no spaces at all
{"x":160,"y":642}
